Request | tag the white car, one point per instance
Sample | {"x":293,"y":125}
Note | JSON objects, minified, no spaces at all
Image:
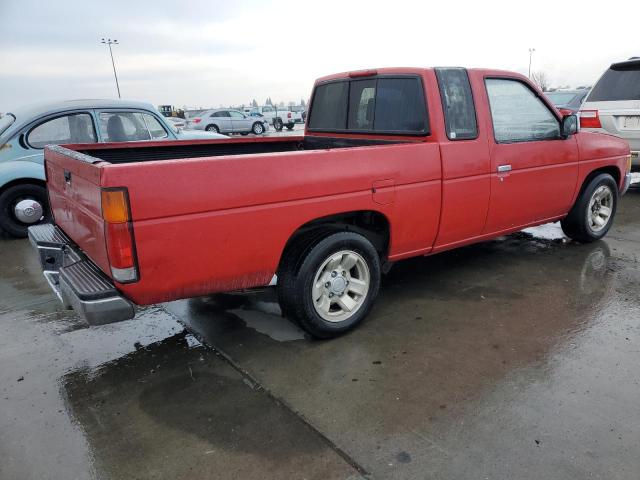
{"x":279,"y":117}
{"x":613,"y":105}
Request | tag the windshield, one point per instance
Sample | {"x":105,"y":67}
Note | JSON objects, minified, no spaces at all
{"x":6,"y":121}
{"x":560,"y":98}
{"x":618,"y":83}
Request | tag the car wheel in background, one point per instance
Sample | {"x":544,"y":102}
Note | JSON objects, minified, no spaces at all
{"x":290,"y":126}
{"x":257,"y":128}
{"x":277,"y":124}
{"x":329,"y":284}
{"x":592,"y":215}
{"x":212,"y":128}
{"x":22,"y":206}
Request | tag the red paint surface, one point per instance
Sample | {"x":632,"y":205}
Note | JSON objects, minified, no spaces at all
{"x":212,"y":224}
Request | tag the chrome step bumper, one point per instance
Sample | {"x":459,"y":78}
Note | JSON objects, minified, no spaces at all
{"x":77,"y":282}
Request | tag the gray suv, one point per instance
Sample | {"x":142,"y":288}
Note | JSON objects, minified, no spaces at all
{"x":613,"y":105}
{"x":226,"y":120}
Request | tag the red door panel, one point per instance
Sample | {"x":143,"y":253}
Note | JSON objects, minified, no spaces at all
{"x":539,"y":186}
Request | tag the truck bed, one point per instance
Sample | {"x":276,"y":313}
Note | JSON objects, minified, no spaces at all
{"x":153,"y":151}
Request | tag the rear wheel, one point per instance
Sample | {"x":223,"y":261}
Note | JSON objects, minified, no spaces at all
{"x":212,"y":128}
{"x":331,"y":284}
{"x":22,"y":206}
{"x":290,"y":126}
{"x":592,"y":215}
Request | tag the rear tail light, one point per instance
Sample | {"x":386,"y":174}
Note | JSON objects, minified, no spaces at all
{"x":118,"y":232}
{"x":289,"y":115}
{"x":589,"y":119}
{"x":196,"y":120}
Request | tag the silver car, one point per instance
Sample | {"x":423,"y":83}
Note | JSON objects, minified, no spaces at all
{"x":613,"y":105}
{"x":226,"y":120}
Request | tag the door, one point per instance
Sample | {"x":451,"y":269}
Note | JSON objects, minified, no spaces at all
{"x":240,"y":122}
{"x":466,"y":164}
{"x":534,"y":169}
{"x":223,"y":120}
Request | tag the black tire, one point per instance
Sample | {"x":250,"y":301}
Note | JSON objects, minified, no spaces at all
{"x":298,"y":271}
{"x":577,"y":225}
{"x":278,"y":125}
{"x":290,"y":126}
{"x":8,"y":200}
{"x":212,"y":128}
{"x":257,"y":128}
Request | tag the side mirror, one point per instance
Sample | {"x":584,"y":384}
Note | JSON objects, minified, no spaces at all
{"x":569,"y":126}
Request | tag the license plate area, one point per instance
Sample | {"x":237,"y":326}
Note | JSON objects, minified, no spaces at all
{"x":631,"y":122}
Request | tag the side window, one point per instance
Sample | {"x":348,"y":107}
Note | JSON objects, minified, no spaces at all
{"x":362,"y":103}
{"x":518,"y":114}
{"x":123,"y":127}
{"x":75,"y":128}
{"x":267,"y":109}
{"x":457,"y":103}
{"x":330,"y":106}
{"x":155,"y":128}
{"x":235,"y":114}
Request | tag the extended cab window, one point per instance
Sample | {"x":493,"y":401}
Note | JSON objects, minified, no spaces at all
{"x":457,"y":103}
{"x":76,"y":128}
{"x":372,"y":105}
{"x":518,"y":114}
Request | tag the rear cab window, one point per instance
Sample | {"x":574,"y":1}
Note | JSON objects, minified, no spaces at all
{"x":392,"y":105}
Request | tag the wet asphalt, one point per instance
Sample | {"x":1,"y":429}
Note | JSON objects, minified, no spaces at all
{"x":517,"y":358}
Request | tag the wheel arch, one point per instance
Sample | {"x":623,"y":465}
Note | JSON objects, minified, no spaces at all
{"x":23,"y":181}
{"x":612,"y":170}
{"x":371,"y":224}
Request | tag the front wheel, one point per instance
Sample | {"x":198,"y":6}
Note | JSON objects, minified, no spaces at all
{"x":592,"y":215}
{"x":22,"y":206}
{"x":331,"y":284}
{"x":258,"y":128}
{"x":277,"y":124}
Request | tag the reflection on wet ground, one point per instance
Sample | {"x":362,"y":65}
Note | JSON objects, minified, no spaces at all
{"x":515,"y":358}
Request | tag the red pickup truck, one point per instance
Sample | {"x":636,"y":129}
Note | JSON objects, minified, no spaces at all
{"x":394,"y":163}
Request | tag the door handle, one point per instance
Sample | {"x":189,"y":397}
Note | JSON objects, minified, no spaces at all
{"x":504,"y":168}
{"x":67,"y":177}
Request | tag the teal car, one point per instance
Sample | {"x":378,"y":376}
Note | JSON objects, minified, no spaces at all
{"x":25,"y":132}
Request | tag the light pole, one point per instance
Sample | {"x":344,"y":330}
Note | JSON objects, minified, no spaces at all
{"x":531,"y":50}
{"x":110,"y":42}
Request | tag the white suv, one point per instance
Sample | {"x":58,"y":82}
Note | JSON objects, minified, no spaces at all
{"x":613,"y":105}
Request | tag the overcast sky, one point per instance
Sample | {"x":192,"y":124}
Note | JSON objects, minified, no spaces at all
{"x":208,"y":53}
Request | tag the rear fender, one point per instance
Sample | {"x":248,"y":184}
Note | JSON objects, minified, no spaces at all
{"x":20,"y":170}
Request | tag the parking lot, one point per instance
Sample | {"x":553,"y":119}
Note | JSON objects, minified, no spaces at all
{"x":514,"y":358}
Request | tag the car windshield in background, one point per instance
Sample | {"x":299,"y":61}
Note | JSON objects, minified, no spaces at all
{"x":620,"y":82}
{"x":6,"y":121}
{"x":561,"y":98}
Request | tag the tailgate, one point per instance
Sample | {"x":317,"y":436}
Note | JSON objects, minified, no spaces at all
{"x":73,"y":182}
